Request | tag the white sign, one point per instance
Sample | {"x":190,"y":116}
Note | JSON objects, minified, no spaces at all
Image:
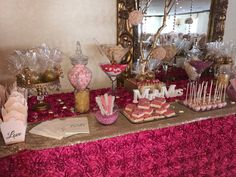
{"x":171,"y":92}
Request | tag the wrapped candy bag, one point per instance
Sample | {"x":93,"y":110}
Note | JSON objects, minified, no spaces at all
{"x":221,"y":52}
{"x":36,"y":65}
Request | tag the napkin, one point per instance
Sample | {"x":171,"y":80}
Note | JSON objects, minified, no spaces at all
{"x":75,"y":126}
{"x":49,"y":129}
{"x":61,"y":128}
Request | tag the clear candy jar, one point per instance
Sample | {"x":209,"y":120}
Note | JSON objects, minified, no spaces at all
{"x":80,"y":77}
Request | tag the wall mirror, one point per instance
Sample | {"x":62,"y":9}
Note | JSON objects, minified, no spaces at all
{"x":196,"y":17}
{"x":186,"y":16}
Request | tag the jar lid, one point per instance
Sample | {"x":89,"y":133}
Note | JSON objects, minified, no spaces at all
{"x":79,"y":58}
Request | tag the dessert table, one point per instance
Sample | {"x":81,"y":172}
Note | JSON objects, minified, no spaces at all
{"x":190,"y":144}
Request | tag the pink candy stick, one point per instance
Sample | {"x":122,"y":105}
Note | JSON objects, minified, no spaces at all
{"x":99,"y":103}
{"x":104,"y":104}
{"x":112,"y":104}
{"x":109,"y":105}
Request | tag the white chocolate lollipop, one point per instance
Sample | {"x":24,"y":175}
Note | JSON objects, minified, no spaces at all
{"x":209,"y":98}
{"x":186,"y":96}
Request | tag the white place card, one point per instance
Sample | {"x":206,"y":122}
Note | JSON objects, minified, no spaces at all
{"x":75,"y":126}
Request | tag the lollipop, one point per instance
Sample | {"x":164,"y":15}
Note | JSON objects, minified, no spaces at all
{"x":135,"y":17}
{"x":159,"y":53}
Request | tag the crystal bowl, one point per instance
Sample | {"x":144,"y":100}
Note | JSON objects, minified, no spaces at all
{"x":106,"y":120}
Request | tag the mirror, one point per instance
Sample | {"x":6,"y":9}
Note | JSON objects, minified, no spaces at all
{"x":186,"y":16}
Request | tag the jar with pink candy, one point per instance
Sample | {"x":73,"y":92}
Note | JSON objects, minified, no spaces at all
{"x":80,"y":76}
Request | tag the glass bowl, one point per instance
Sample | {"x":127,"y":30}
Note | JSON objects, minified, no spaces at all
{"x":107,"y":120}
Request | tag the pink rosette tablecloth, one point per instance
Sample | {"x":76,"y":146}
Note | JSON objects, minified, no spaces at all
{"x":204,"y":148}
{"x":62,"y":104}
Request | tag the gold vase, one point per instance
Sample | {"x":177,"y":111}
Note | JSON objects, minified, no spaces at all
{"x":82,"y":101}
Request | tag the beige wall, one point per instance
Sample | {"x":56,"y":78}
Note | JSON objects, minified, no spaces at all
{"x":59,"y":23}
{"x":230,"y":25}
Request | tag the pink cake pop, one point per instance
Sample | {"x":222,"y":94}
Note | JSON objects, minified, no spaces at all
{"x":196,"y":108}
{"x":203,"y":107}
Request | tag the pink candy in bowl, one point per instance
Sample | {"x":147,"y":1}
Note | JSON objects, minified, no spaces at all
{"x":113,"y":69}
{"x":106,"y":119}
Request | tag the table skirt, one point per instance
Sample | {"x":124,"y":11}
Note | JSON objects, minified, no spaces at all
{"x":204,"y":148}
